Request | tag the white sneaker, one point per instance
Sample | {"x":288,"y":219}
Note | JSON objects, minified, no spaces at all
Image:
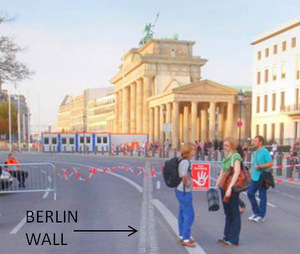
{"x":259,"y":219}
{"x":252,"y":217}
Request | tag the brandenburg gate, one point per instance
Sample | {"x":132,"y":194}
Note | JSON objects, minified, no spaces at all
{"x":160,"y":83}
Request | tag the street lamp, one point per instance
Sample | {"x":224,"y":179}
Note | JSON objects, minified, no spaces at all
{"x":240,"y":98}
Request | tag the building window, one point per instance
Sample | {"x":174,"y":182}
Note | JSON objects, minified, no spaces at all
{"x":293,"y":42}
{"x":273,"y":131}
{"x":64,"y":141}
{"x":266,"y":76}
{"x":72,"y":141}
{"x":81,"y":140}
{"x":257,"y":104}
{"x":283,"y":70}
{"x":297,"y":99}
{"x":258,"y":55}
{"x":267,"y":52}
{"x":275,"y":48}
{"x":265,"y":131}
{"x":265,"y":103}
{"x":258,"y":78}
{"x":54,"y":141}
{"x":274,"y":72}
{"x":257,"y":130}
{"x":274,"y":101}
{"x":46,"y":141}
{"x":298,"y":67}
{"x":282,"y":100}
{"x":281,"y":133}
{"x":283,"y":46}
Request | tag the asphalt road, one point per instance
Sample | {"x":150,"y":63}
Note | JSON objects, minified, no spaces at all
{"x":114,"y":201}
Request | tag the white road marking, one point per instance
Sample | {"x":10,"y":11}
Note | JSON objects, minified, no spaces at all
{"x":46,"y":194}
{"x":158,"y":185}
{"x":172,"y":221}
{"x":19,"y":226}
{"x":49,"y":179}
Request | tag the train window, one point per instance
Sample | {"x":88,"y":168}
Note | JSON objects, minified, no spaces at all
{"x":88,"y":140}
{"x":64,"y":141}
{"x":54,"y":141}
{"x":81,"y":140}
{"x":46,"y":141}
{"x":104,"y":140}
{"x":72,"y":141}
{"x":99,"y":140}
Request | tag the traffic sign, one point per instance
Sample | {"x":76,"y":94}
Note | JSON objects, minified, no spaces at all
{"x":201,"y":176}
{"x":239,"y":124}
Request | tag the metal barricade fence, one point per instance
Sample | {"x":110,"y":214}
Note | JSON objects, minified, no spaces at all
{"x":28,"y":177}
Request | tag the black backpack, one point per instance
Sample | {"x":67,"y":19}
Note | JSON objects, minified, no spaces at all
{"x":171,"y":172}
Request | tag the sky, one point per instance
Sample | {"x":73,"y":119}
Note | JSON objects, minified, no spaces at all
{"x":72,"y":45}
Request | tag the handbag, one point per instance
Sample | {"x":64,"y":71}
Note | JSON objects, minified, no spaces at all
{"x":243,"y":182}
{"x":212,"y":196}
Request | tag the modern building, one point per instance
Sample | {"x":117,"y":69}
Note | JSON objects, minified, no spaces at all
{"x":159,"y":91}
{"x":276,"y":83}
{"x":101,"y":114}
{"x":19,"y":103}
{"x":73,"y":111}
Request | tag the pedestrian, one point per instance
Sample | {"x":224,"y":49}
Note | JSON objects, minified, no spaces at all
{"x":167,"y":145}
{"x":230,"y":199}
{"x":274,"y":149}
{"x":262,"y":161}
{"x":184,"y":196}
{"x":13,"y":168}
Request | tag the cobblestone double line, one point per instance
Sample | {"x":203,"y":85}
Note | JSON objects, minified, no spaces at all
{"x":147,"y":242}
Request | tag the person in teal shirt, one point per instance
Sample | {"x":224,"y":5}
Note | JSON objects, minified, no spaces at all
{"x":262,"y":160}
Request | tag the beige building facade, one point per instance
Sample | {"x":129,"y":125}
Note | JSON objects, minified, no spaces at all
{"x":159,"y":91}
{"x":276,"y":83}
{"x":101,"y":114}
{"x":73,"y":111}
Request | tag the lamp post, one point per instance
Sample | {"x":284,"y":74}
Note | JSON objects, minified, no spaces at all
{"x":84,"y":131}
{"x":240,"y":97}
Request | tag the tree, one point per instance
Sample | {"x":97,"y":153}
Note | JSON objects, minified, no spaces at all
{"x":11,"y":70}
{"x":4,"y":121}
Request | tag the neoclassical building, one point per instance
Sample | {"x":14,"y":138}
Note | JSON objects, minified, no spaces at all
{"x":159,"y":91}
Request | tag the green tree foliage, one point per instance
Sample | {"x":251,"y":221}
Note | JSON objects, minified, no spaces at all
{"x":4,"y":121}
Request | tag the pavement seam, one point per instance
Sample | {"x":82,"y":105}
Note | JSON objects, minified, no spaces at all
{"x":147,"y":242}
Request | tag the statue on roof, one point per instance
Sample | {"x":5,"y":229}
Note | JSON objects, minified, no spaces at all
{"x":148,"y":30}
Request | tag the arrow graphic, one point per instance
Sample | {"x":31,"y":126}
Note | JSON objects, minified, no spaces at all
{"x":132,"y":230}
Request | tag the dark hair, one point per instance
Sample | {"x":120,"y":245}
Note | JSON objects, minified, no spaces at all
{"x":239,"y":149}
{"x":260,"y":138}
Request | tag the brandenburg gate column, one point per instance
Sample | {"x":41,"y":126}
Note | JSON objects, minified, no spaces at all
{"x":126,"y":110}
{"x":194,"y":113}
{"x":221,"y":121}
{"x":156,"y":123}
{"x":161,"y":123}
{"x":229,"y":119}
{"x":186,"y":124}
{"x":116,"y":120}
{"x":175,"y":124}
{"x":147,"y":89}
{"x":151,"y":124}
{"x":120,"y":115}
{"x":203,"y":124}
{"x":168,"y":116}
{"x":133,"y":108}
{"x":139,"y":97}
{"x":212,"y":120}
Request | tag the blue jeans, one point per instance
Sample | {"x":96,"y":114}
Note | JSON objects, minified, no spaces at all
{"x":262,"y":208}
{"x":185,"y":213}
{"x":233,"y":218}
